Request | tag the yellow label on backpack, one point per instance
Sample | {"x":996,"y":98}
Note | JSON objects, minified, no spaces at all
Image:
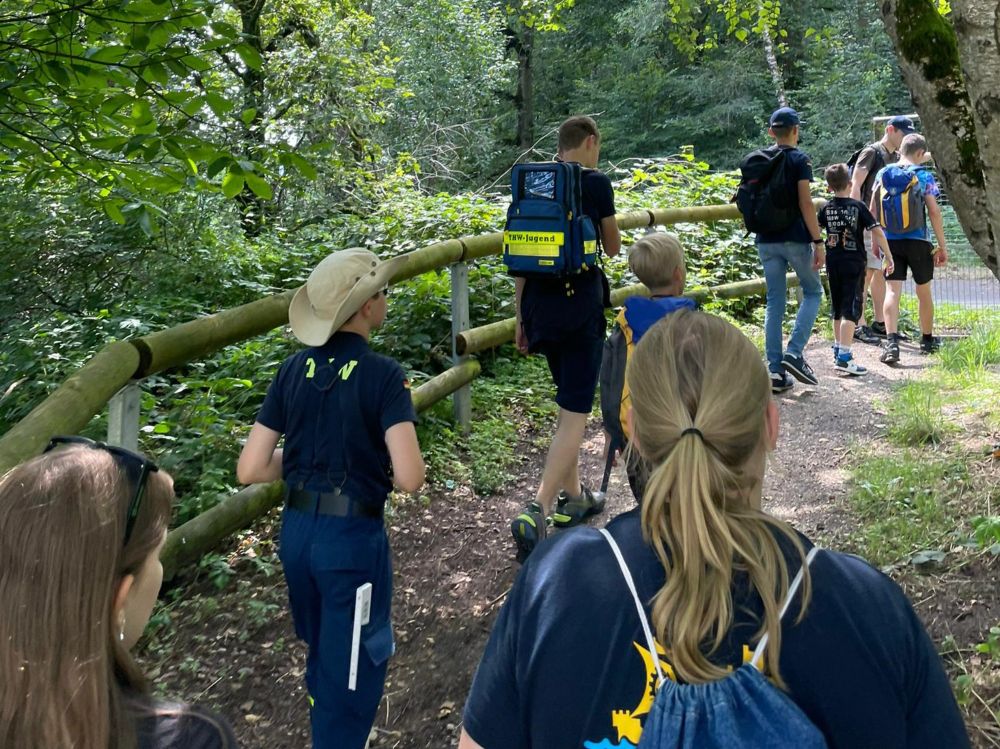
{"x":534,"y":243}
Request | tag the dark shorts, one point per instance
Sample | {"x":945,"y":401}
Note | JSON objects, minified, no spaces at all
{"x":914,"y":254}
{"x":575,"y":364}
{"x":847,"y":285}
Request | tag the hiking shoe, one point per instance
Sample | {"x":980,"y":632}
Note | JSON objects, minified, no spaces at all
{"x":780,"y":382}
{"x":890,"y":354}
{"x":572,"y":511}
{"x":846,"y":363}
{"x":866,"y":335}
{"x":878,"y":328}
{"x":797,"y":367}
{"x":930,"y":345}
{"x":529,"y":528}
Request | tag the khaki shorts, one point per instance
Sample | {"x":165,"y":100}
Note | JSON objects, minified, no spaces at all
{"x":874,"y":262}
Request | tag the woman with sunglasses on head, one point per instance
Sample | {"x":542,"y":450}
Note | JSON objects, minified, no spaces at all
{"x":672,"y":628}
{"x":81,"y":529}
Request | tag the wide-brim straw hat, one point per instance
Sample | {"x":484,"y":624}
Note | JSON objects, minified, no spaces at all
{"x":336,"y":289}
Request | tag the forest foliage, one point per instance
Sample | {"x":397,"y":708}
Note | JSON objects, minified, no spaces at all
{"x":165,"y":159}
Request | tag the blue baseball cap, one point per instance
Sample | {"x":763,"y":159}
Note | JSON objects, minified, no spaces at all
{"x":903,"y":124}
{"x":784,"y":117}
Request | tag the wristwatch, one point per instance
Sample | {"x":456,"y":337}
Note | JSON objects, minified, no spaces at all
{"x":817,"y":241}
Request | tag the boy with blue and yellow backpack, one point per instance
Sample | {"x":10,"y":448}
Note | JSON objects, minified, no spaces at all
{"x":904,"y":201}
{"x":657,"y":260}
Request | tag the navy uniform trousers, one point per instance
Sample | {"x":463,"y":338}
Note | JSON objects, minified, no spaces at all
{"x":326,"y":559}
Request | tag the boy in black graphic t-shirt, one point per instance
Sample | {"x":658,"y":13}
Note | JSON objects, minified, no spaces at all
{"x":846,"y":220}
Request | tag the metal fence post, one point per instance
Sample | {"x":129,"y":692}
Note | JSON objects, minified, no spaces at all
{"x":462,"y":398}
{"x":123,"y":417}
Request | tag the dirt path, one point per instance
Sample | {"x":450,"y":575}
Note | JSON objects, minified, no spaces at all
{"x":454,"y":566}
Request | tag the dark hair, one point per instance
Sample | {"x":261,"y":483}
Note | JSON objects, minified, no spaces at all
{"x":837,"y":176}
{"x":574,"y":131}
{"x":782,"y":131}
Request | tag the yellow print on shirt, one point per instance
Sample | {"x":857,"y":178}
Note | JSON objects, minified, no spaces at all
{"x":628,"y":723}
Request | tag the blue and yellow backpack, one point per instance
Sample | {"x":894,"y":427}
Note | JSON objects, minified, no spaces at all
{"x":547,"y":233}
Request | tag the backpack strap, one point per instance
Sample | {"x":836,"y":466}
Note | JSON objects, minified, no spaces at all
{"x":758,"y":653}
{"x":647,"y":630}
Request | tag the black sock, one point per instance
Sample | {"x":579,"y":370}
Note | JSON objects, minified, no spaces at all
{"x":928,"y":337}
{"x":893,"y":337}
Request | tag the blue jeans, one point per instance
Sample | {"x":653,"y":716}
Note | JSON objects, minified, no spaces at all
{"x":776,"y":257}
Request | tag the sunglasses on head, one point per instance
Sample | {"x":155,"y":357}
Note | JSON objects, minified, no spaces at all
{"x":135,"y":466}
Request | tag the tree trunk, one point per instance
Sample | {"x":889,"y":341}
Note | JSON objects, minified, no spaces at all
{"x":977,"y":27}
{"x":250,"y":205}
{"x":772,"y":65}
{"x":525,"y":89}
{"x":928,"y":53}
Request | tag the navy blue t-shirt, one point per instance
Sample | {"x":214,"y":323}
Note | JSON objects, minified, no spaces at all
{"x":334,"y":404}
{"x":846,"y":220}
{"x":567,"y":666}
{"x":554,"y":308}
{"x":798,"y":167}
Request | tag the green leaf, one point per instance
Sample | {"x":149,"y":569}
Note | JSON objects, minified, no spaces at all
{"x":219,"y":104}
{"x":114,"y":212}
{"x":217,"y":166}
{"x":232,"y":184}
{"x":303,"y":166}
{"x":741,"y":34}
{"x":247,"y":115}
{"x":259,"y":186}
{"x":250,"y":56}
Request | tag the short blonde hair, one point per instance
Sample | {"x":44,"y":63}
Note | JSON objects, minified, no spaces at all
{"x":655,"y":258}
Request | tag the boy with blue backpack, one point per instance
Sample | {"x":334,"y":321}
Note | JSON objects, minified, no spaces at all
{"x":560,"y":314}
{"x":657,"y":260}
{"x":904,"y":199}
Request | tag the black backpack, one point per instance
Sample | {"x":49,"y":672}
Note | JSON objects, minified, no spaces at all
{"x":763,"y":196}
{"x":877,"y":164}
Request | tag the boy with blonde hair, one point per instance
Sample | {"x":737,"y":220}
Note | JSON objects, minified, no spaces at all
{"x":657,"y":260}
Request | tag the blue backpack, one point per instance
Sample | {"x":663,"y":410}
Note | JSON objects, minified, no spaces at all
{"x":742,"y":710}
{"x":547,"y":232}
{"x":900,"y":200}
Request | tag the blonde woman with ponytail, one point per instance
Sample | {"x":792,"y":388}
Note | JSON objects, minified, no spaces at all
{"x":81,"y":528}
{"x":569,"y":665}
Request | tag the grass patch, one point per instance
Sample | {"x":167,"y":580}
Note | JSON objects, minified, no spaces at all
{"x":916,"y":416}
{"x":905,"y":501}
{"x":981,"y":349}
{"x":947,"y":316}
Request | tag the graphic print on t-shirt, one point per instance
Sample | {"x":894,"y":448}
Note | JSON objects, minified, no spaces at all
{"x":626,"y":724}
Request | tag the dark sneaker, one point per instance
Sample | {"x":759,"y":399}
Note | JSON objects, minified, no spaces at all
{"x":797,"y":367}
{"x":836,"y":352}
{"x":572,"y":511}
{"x":780,"y":382}
{"x":846,"y":363}
{"x":878,"y":328}
{"x":529,"y":528}
{"x":890,"y":354}
{"x":930,"y":345}
{"x":866,"y":335}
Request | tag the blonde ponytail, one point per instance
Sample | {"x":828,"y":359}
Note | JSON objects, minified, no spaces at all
{"x":699,"y":398}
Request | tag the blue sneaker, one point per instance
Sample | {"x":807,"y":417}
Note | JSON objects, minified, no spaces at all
{"x":796,"y":366}
{"x":836,"y":352}
{"x":846,"y":363}
{"x":780,"y":382}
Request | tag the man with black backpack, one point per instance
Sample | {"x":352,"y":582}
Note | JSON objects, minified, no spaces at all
{"x":904,"y":199}
{"x":864,"y":164}
{"x":774,"y":199}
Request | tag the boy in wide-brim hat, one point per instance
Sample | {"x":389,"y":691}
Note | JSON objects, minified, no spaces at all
{"x":348,"y":422}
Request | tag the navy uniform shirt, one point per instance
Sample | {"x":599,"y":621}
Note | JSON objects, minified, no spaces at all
{"x":567,"y":664}
{"x":334,"y":404}
{"x":846,"y":221}
{"x":554,"y":308}
{"x":798,"y":167}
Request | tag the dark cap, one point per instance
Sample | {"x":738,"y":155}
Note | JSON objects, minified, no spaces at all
{"x":903,"y":124}
{"x":784,"y":117}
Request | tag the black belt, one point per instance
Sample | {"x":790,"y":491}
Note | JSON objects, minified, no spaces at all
{"x":331,"y":503}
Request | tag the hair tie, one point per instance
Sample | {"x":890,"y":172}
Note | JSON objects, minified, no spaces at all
{"x":694,"y":430}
